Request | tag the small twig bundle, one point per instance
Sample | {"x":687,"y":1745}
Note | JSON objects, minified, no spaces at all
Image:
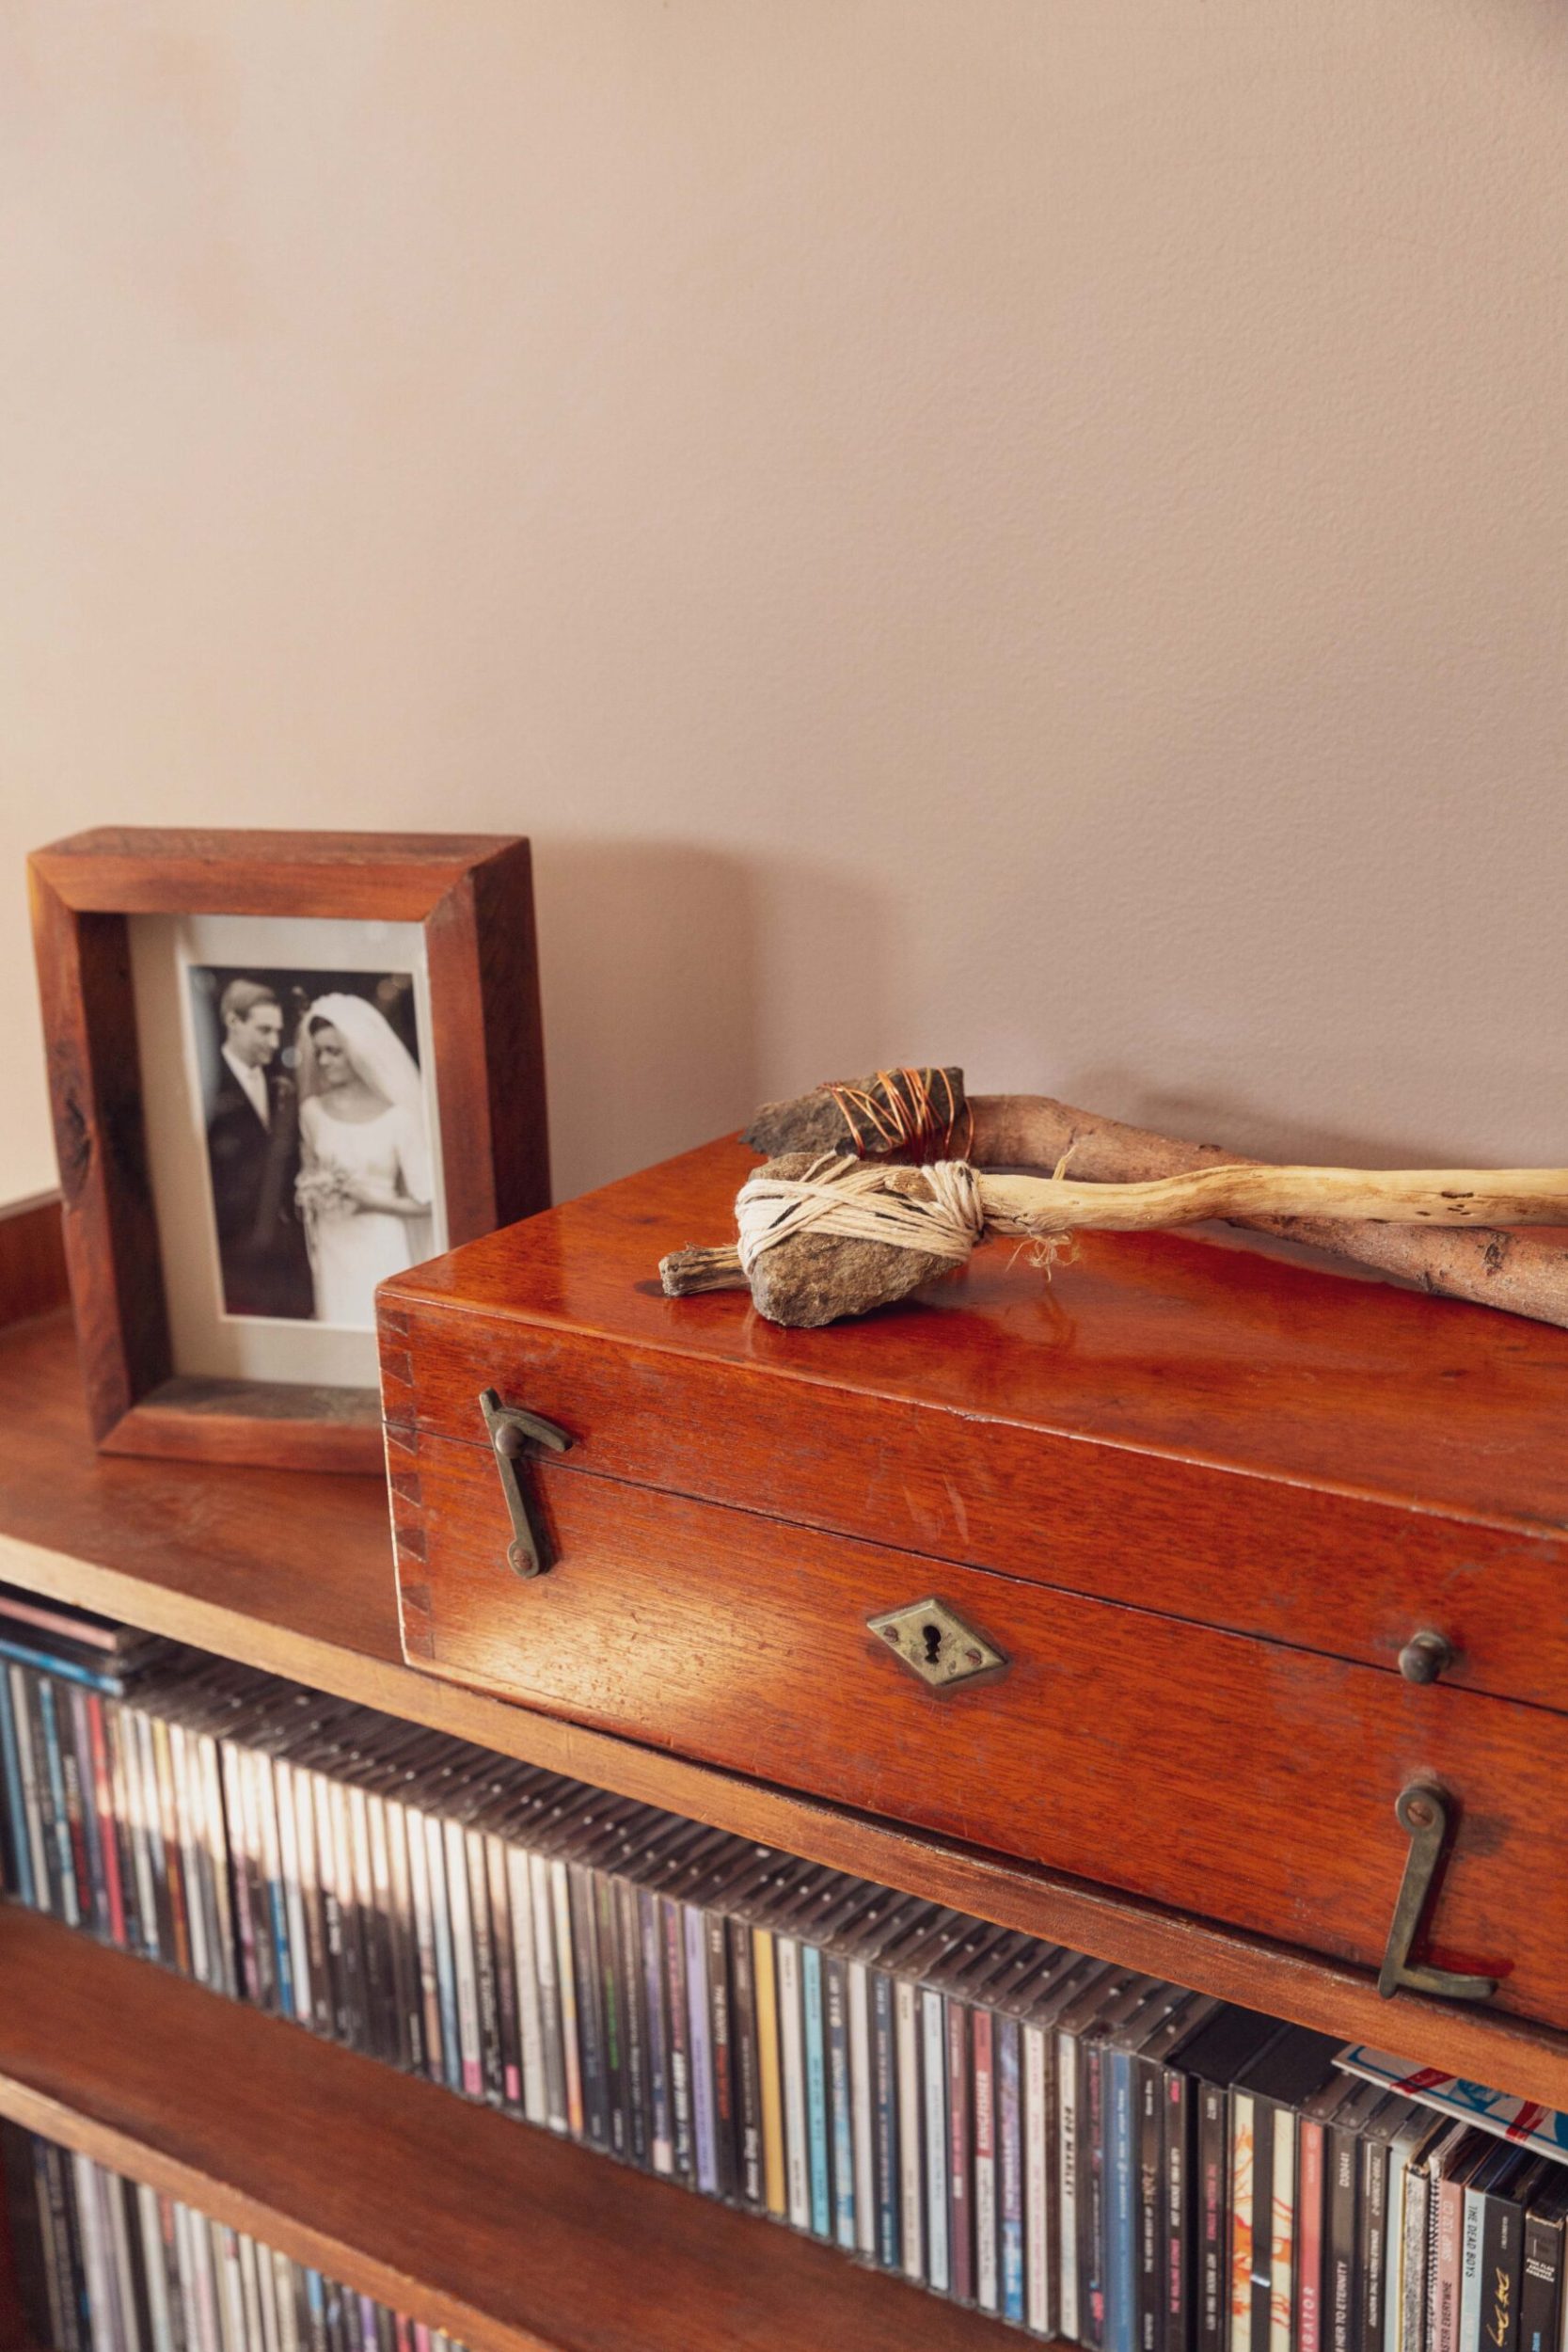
{"x":822,"y":1236}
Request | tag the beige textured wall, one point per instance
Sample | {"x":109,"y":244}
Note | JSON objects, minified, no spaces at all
{"x":1029,"y":531}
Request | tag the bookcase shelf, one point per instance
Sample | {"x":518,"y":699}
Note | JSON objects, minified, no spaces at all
{"x":511,"y":2239}
{"x":292,"y":1572}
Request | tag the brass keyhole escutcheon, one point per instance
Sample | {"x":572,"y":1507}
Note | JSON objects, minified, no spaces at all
{"x":935,"y":1644}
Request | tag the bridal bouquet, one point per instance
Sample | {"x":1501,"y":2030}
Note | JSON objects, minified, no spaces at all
{"x":322,"y":1190}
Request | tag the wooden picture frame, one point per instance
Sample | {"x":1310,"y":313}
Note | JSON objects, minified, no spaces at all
{"x":471,"y":898}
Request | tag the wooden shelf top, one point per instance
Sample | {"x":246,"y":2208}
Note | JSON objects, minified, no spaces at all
{"x":511,"y":2239}
{"x":293,"y":1572}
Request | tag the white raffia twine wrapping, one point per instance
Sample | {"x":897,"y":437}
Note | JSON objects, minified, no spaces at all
{"x":850,"y":1200}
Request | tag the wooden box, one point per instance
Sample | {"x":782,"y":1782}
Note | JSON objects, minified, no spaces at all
{"x":1188,"y":1505}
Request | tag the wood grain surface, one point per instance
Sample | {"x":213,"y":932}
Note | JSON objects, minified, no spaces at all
{"x":489,"y":1044}
{"x":232,"y":1422}
{"x":111,"y":1230}
{"x":156,"y":869}
{"x":293,"y":1573}
{"x":1202,"y":1770}
{"x":33,"y":1279}
{"x":505,"y":2235}
{"x":1168,"y":1422}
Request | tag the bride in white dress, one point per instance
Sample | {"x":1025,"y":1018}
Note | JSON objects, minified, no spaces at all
{"x":365,"y":1186}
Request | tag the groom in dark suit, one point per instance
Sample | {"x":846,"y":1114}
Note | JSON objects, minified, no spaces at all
{"x":253,"y":1151}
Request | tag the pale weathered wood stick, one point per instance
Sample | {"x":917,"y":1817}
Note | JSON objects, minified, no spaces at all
{"x":1523,"y":1274}
{"x":822,"y":1236}
{"x":685,"y":1272}
{"x":1444,"y":1196}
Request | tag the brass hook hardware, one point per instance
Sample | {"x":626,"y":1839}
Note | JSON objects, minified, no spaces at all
{"x":1421,"y":1813}
{"x":512,"y":1431}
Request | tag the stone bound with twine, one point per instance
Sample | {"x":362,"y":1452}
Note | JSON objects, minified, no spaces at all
{"x":821,"y":1236}
{"x":825,"y":1238}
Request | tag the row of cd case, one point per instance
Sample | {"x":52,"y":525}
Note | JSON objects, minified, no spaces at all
{"x":107,"y":2265}
{"x":1059,"y":2141}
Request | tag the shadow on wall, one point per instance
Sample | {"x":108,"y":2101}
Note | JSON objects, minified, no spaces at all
{"x":1240,"y":1126}
{"x":654,"y":958}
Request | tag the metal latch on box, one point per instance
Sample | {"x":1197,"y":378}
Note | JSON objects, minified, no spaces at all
{"x":934,"y":1642}
{"x":512,"y":1432}
{"x":1423,"y":1816}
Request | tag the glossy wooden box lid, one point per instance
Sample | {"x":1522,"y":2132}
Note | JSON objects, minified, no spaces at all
{"x":1169,"y":1420}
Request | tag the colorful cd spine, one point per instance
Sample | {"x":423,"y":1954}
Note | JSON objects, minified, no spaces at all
{"x":770,"y":2070}
{"x":938,"y":2268}
{"x":960,"y":2153}
{"x":660,"y":2109}
{"x":1010,"y":2139}
{"x":748,"y":2066}
{"x":793,"y":2066}
{"x":814,"y":2036}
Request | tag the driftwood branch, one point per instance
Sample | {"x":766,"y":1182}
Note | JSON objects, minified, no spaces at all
{"x":685,"y":1272}
{"x":825,"y":1238}
{"x":1440,"y":1196}
{"x":1524,"y":1274}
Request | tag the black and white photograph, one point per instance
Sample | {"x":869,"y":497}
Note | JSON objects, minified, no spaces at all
{"x":293,"y":1099}
{"x":317,"y":1136}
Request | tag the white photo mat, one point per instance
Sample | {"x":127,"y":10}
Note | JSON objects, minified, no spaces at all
{"x":165,"y":948}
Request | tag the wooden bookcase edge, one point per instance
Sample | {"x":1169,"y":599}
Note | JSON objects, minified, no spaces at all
{"x":511,"y":2239}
